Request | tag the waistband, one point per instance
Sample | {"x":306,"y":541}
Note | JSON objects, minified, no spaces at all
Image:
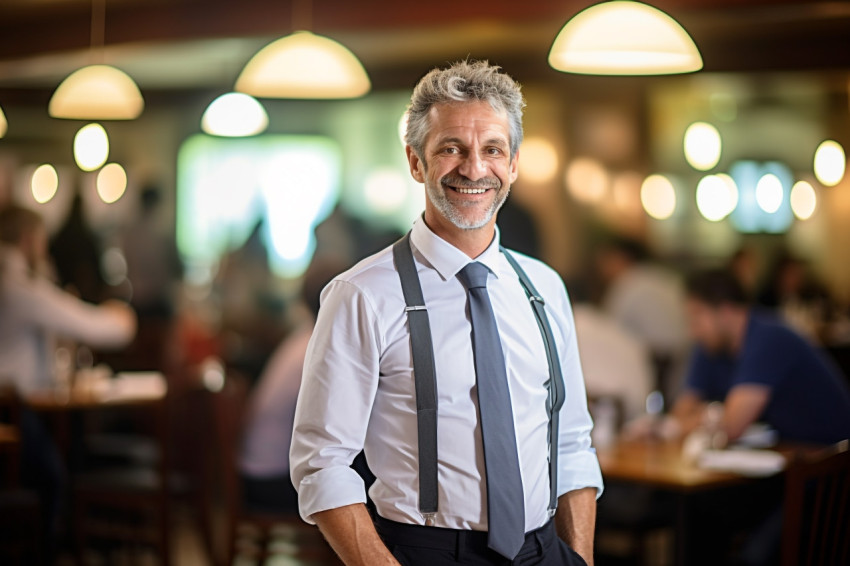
{"x":458,"y":541}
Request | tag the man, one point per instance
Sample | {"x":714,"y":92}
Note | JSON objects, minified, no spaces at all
{"x":759,"y":368}
{"x":463,"y":134}
{"x":33,"y":312}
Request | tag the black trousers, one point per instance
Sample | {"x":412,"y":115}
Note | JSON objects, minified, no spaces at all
{"x":415,"y":545}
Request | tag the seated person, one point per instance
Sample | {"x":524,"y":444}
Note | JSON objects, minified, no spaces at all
{"x":34,"y":312}
{"x":759,"y":368}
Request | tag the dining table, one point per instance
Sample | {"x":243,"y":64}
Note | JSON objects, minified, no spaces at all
{"x":664,"y":466}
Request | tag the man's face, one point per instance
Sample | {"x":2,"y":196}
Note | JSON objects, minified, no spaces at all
{"x":467,"y":168}
{"x":707,"y":327}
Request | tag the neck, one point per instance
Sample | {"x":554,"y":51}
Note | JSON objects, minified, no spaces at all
{"x":738,"y":329}
{"x":471,"y":242}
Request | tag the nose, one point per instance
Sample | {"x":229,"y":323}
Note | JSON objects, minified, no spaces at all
{"x":473,"y":167}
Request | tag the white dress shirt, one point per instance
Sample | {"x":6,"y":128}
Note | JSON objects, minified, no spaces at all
{"x":33,"y":311}
{"x":358,"y":390}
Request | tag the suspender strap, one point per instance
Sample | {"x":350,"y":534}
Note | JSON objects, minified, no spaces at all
{"x":426,"y":382}
{"x":556,"y":380}
{"x":423,"y":374}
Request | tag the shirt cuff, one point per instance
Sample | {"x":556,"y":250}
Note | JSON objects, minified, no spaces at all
{"x":328,"y":489}
{"x":582,"y":471}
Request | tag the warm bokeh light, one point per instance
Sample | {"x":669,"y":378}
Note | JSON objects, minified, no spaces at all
{"x":304,"y":65}
{"x":658,"y":197}
{"x":111,"y":183}
{"x":4,"y":125}
{"x":702,"y":146}
{"x":539,"y":163}
{"x":804,"y":201}
{"x":235,"y":115}
{"x":716,"y":197}
{"x":830,"y":163}
{"x":587,"y":180}
{"x":769,"y":193}
{"x":45,"y":183}
{"x":385,"y":190}
{"x":624,"y":38}
{"x":91,"y":147}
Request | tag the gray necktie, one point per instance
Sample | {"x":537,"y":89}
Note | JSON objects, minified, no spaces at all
{"x":505,"y":502}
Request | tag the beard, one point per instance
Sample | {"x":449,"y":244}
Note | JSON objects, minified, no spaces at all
{"x":454,"y":212}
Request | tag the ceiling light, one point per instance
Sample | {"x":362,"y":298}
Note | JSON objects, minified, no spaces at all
{"x":97,"y":92}
{"x":624,"y":38}
{"x":235,"y":115}
{"x":4,"y":125}
{"x":304,"y":65}
{"x":830,"y":163}
{"x":91,"y":147}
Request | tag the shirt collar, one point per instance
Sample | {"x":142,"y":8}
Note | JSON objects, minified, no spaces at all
{"x":446,"y":259}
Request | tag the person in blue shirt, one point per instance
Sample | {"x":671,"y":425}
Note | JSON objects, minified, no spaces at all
{"x":759,"y":368}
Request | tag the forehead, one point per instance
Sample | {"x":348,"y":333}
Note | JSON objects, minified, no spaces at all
{"x":463,"y":119}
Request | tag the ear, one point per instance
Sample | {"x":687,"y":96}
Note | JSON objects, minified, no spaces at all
{"x":514,"y":171}
{"x":417,"y":167}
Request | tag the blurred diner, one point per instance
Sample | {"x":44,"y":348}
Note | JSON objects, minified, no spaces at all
{"x":34,"y":314}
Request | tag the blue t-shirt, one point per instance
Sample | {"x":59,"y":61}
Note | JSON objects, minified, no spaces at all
{"x":809,"y":398}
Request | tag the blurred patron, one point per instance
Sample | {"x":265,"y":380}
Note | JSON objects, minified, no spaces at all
{"x":759,"y":368}
{"x":34,"y":312}
{"x":647,"y":300}
{"x":264,"y":463}
{"x":75,"y":252}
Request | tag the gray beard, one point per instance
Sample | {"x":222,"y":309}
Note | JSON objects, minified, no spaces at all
{"x":453,"y":214}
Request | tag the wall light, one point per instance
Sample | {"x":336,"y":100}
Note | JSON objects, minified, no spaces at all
{"x":304,"y":65}
{"x":624,"y":38}
{"x":4,"y":125}
{"x":234,"y":115}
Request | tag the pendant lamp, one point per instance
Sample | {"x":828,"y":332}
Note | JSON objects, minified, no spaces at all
{"x":235,"y":114}
{"x":624,"y":38}
{"x":97,"y":92}
{"x":304,"y":65}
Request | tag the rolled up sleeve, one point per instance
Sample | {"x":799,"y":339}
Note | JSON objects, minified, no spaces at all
{"x":578,"y":465}
{"x":335,"y":401}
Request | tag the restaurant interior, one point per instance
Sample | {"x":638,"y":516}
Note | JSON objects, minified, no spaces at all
{"x":209,"y":234}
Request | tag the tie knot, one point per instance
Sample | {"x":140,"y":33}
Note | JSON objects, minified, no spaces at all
{"x":473,"y":275}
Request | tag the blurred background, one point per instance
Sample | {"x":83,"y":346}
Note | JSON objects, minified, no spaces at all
{"x":209,"y":236}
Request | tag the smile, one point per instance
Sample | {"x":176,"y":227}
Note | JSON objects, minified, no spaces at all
{"x":465,"y":191}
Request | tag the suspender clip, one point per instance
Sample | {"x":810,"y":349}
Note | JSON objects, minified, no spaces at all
{"x":536,"y":298}
{"x":429,"y":519}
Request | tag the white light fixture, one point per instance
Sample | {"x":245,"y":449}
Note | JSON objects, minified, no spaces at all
{"x":304,"y":65}
{"x":702,"y":146}
{"x":830,"y":163}
{"x":111,"y":183}
{"x":624,"y":38}
{"x":4,"y":125}
{"x":91,"y":147}
{"x":235,"y":115}
{"x":44,"y":183}
{"x":97,"y":92}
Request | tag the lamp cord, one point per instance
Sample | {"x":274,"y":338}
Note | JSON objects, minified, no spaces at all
{"x":302,"y":15}
{"x":98,"y":24}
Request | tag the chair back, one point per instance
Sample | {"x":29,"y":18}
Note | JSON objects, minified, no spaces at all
{"x":816,"y":525}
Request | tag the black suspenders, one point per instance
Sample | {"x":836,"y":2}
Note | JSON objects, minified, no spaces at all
{"x":426,"y":381}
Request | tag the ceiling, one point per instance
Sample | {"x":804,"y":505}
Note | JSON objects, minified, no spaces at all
{"x":187,"y":45}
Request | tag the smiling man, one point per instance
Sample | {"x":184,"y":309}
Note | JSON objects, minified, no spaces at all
{"x":462,"y":465}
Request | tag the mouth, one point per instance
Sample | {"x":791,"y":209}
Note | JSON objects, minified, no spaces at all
{"x":468,"y":188}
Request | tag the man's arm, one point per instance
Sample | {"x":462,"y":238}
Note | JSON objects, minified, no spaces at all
{"x":352,"y":535}
{"x":743,"y":406}
{"x":688,"y":412}
{"x":575,"y":520}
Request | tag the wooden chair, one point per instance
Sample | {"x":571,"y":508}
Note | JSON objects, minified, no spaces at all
{"x":21,"y":517}
{"x":816,"y":524}
{"x":249,"y":533}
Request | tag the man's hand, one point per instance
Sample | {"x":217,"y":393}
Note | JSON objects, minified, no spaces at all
{"x":575,"y":521}
{"x":352,"y":535}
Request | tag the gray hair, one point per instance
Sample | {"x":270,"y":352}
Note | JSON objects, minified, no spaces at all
{"x":464,"y":81}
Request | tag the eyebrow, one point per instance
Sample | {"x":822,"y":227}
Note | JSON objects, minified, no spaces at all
{"x":501,"y":142}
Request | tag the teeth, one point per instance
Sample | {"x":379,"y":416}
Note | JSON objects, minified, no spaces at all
{"x":470,"y":191}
